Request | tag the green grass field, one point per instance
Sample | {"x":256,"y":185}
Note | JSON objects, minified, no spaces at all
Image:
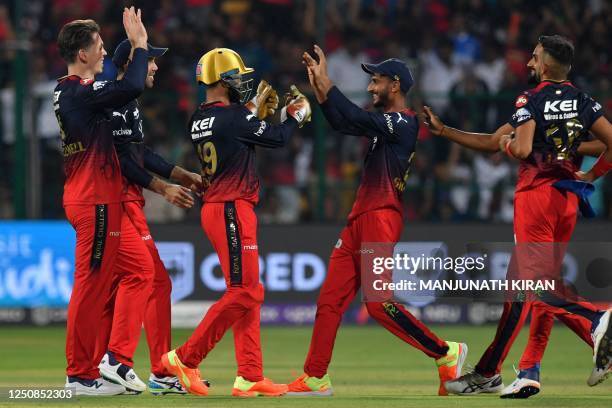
{"x":370,"y":368}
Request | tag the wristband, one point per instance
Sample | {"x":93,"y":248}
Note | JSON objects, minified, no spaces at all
{"x":508,"y":151}
{"x":601,"y":166}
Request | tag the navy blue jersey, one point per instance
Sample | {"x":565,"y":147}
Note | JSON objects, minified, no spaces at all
{"x":393,"y":137}
{"x":563,"y":115}
{"x":134,"y":156}
{"x":224,"y":137}
{"x":82,"y":108}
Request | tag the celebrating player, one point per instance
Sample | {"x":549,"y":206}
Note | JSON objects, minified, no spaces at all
{"x":376,"y":217}
{"x":132,"y":299}
{"x":550,"y":123}
{"x":224,"y":133}
{"x":106,"y":240}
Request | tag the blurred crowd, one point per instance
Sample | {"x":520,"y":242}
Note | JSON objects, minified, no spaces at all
{"x":468,"y":57}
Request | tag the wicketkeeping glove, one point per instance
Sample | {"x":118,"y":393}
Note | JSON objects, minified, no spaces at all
{"x":265,"y":102}
{"x":297,"y":106}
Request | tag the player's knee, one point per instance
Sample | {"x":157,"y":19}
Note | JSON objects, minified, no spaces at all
{"x":248,"y":296}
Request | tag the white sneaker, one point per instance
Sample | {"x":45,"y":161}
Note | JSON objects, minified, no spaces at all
{"x":474,"y":383}
{"x":521,"y":388}
{"x":526,"y":384}
{"x":165,"y":385}
{"x":602,"y":350}
{"x":116,"y":372}
{"x":98,"y":387}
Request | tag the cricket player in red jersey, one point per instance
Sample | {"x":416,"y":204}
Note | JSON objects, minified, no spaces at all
{"x":377,"y":216}
{"x":106,"y":240}
{"x":132,"y":301}
{"x":224,"y":132}
{"x":550,"y":126}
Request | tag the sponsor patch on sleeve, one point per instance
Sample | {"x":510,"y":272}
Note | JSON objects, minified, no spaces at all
{"x":521,"y":101}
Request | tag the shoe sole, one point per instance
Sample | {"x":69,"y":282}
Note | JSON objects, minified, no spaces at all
{"x":85,"y":392}
{"x":327,"y":393}
{"x":112,"y":376}
{"x":525,"y":392}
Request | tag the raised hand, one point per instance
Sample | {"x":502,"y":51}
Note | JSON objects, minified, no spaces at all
{"x":317,"y":73}
{"x":432,"y":121}
{"x":135,"y":30}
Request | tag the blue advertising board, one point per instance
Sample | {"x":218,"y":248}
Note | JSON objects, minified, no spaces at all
{"x":36,"y":263}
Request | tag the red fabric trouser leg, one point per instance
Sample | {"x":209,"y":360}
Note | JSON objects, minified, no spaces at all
{"x":157,"y":318}
{"x":232,"y":230}
{"x":543,"y":218}
{"x":342,"y":284}
{"x":134,"y":280}
{"x":542,"y":319}
{"x":98,"y":230}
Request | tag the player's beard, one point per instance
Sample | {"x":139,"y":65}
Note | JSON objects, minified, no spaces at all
{"x":533,"y":78}
{"x":383,"y":98}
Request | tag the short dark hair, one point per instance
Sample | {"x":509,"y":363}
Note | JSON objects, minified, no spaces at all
{"x":74,"y":36}
{"x":558,"y":47}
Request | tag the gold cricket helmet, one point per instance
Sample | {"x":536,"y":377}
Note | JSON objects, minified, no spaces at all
{"x":219,"y":63}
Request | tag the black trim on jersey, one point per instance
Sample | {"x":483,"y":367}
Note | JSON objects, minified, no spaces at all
{"x":97,"y":251}
{"x":233,"y":243}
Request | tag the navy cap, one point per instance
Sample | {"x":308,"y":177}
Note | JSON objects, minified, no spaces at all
{"x":122,"y":52}
{"x":393,"y":68}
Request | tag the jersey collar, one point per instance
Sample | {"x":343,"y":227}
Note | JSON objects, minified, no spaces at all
{"x":547,"y":82}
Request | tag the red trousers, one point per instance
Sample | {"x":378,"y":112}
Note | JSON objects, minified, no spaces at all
{"x":157,"y":316}
{"x":121,"y":323}
{"x":342,"y":283}
{"x":541,"y":215}
{"x":107,"y":246}
{"x":232,"y":229}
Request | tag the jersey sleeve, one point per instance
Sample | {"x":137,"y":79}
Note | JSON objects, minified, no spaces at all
{"x":360,"y":121}
{"x":157,"y":164}
{"x":262,"y":133}
{"x":525,"y":110}
{"x":132,"y":170}
{"x":591,"y":111}
{"x":115,"y":94}
{"x":336,"y":120}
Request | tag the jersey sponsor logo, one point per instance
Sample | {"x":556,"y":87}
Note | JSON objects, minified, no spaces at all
{"x":203,"y":127}
{"x":250,"y":247}
{"x":122,"y":132}
{"x":389,"y":121}
{"x":262,"y":127}
{"x":121,"y":115}
{"x":136,"y":113}
{"x":521,"y":115}
{"x":99,"y":85}
{"x":339,"y":243}
{"x":86,"y":81}
{"x":114,"y":233}
{"x":521,"y":101}
{"x":561,"y":106}
{"x":249,"y":117}
{"x":400,"y":118}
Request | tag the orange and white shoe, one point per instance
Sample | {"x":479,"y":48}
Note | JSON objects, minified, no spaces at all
{"x":306,"y":386}
{"x":450,"y":366}
{"x":264,"y":388}
{"x":189,"y":378}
